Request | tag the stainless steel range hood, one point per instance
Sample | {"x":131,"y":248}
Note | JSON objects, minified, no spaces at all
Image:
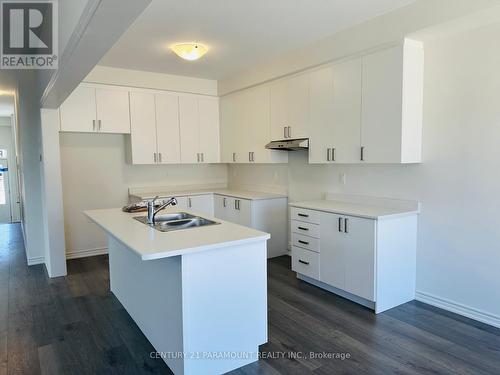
{"x":289,"y":144}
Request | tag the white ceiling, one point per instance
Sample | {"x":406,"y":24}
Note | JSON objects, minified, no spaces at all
{"x":240,"y":33}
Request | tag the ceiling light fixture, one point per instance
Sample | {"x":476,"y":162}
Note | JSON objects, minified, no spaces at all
{"x":189,"y":51}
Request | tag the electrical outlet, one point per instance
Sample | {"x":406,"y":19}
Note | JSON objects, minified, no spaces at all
{"x":342,"y":178}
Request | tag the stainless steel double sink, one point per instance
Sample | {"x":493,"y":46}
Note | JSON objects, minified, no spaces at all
{"x":176,"y":221}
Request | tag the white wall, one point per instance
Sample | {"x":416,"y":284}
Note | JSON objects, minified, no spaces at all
{"x":457,"y":183}
{"x":94,"y":171}
{"x":150,"y":80}
{"x":53,"y":217}
{"x":388,"y":28}
{"x":28,"y":118}
{"x":95,"y":175}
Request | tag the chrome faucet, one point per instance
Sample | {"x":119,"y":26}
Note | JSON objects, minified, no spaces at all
{"x":151,"y":208}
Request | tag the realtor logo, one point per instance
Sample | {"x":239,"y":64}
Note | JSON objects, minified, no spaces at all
{"x":29,"y":35}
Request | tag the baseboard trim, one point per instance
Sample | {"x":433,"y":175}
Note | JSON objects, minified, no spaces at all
{"x":36,"y":260}
{"x":86,"y":253}
{"x":457,"y":308}
{"x":364,"y":302}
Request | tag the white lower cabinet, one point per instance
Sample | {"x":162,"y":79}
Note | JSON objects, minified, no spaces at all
{"x":201,"y":203}
{"x":370,"y":261}
{"x":348,"y":254}
{"x":267,"y":215}
{"x":305,"y":262}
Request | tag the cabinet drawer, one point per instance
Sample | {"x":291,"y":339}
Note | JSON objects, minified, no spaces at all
{"x":305,"y":262}
{"x":305,"y":242}
{"x":301,"y":214}
{"x":307,"y":229}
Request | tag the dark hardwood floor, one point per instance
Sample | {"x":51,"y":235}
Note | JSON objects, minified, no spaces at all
{"x":74,"y":325}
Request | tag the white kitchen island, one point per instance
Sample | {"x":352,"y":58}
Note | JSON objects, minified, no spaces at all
{"x":198,"y":294}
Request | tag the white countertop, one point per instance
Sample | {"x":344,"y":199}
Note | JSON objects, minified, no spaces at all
{"x":356,"y":209}
{"x":242,"y":194}
{"x":150,"y":243}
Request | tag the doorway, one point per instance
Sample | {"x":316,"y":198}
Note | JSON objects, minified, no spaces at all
{"x":9,"y":191}
{"x":5,"y":208}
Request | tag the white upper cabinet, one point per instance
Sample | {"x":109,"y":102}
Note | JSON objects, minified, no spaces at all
{"x":321,"y":115}
{"x":167,"y":128}
{"x":93,"y":109}
{"x":231,"y":128}
{"x":245,"y":128}
{"x":209,"y":134}
{"x":369,"y":109}
{"x":290,"y":107}
{"x":256,"y":112}
{"x":143,"y":123}
{"x":392,"y":96}
{"x":199,"y":129}
{"x":155,"y":128}
{"x":190,"y":140}
{"x":335,"y":113}
{"x":346,"y":118}
{"x":112,"y":105}
{"x":78,"y":112}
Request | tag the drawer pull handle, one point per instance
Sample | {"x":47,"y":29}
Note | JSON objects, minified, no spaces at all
{"x":303,"y":242}
{"x":303,"y":262}
{"x":303,"y":215}
{"x":302,"y":228}
{"x":340,"y":224}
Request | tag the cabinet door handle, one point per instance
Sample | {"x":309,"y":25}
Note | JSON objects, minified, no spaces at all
{"x":154,"y":156}
{"x":302,"y":215}
{"x":303,"y":242}
{"x":345,"y":225}
{"x":202,"y":157}
{"x":340,"y":224}
{"x":93,"y":125}
{"x":303,"y":262}
{"x":234,"y":157}
{"x":302,"y":228}
{"x":159,"y":157}
{"x":333,"y":154}
{"x":99,"y":122}
{"x":224,"y":203}
{"x":189,"y":203}
{"x":362,"y":153}
{"x":327,"y":154}
{"x":284,"y":132}
{"x":289,"y":132}
{"x":198,"y":158}
{"x":249,"y":156}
